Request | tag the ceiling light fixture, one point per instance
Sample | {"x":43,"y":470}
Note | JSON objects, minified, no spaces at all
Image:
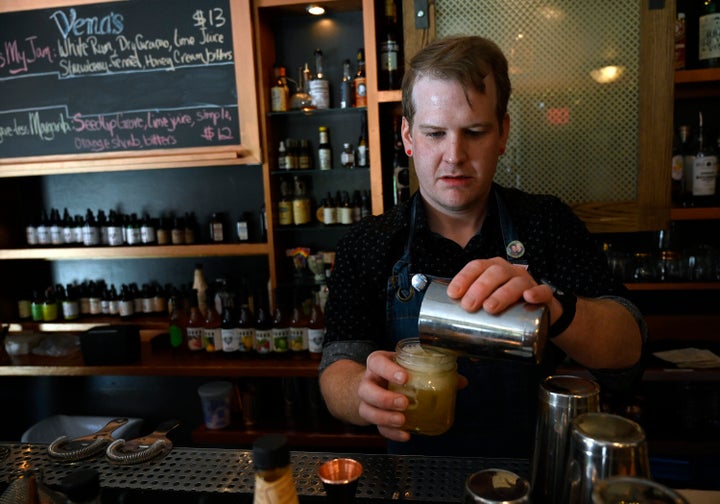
{"x":315,"y":10}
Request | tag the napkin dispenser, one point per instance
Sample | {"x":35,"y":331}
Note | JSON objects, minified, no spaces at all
{"x":110,"y":345}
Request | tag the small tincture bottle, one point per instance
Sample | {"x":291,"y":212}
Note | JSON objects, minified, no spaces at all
{"x":274,"y":482}
{"x":347,"y":157}
{"x":324,"y":149}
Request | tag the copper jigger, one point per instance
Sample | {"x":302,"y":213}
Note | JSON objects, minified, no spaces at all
{"x":340,"y":477}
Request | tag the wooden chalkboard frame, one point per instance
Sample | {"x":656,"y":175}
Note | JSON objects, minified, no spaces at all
{"x":248,"y":151}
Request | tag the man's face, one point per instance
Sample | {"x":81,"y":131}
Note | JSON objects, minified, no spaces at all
{"x":455,"y":144}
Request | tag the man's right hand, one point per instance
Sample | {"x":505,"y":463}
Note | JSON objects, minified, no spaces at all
{"x":378,"y":405}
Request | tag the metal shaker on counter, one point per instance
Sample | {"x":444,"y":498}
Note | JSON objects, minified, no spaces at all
{"x":518,"y":333}
{"x":561,"y":398}
{"x":603,"y":445}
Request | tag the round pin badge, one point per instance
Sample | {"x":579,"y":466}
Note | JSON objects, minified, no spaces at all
{"x":515,"y":249}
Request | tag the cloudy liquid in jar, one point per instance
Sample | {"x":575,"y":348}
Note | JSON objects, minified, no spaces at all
{"x":431,"y":387}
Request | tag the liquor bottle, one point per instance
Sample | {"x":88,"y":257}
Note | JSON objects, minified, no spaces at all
{"x":360,"y":81}
{"x":36,"y":307}
{"x":212,"y":330}
{"x":229,"y":330}
{"x":246,"y":326}
{"x":280,"y":332}
{"x":362,"y":159}
{"x":301,"y":99}
{"x":300,"y":202}
{"x":94,"y":298}
{"x":680,"y":151}
{"x":319,"y":85}
{"x":324,"y":149}
{"x":177,"y":231}
{"x":316,"y":330}
{"x":347,"y":91}
{"x":78,"y":229}
{"x":178,"y":325}
{"x":279,"y":92}
{"x":195,"y":324}
{"x":200,"y":287}
{"x":356,"y":206}
{"x":390,"y":75}
{"x":709,"y":34}
{"x":680,"y":41}
{"x":298,"y":332}
{"x":705,"y":169}
{"x":70,"y":305}
{"x":263,"y":326}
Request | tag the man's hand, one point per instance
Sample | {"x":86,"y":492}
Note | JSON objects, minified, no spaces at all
{"x":378,"y":405}
{"x":495,"y":284}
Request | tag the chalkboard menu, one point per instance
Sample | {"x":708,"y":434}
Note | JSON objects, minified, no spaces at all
{"x":118,"y":76}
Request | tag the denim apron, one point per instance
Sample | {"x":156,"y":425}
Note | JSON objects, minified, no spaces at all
{"x":493,"y":415}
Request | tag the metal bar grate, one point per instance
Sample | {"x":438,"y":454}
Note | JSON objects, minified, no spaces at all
{"x":225,"y":471}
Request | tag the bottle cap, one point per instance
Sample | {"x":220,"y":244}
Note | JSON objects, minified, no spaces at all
{"x":271,"y":451}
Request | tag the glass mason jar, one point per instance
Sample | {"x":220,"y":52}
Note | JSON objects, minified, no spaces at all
{"x":431,"y":387}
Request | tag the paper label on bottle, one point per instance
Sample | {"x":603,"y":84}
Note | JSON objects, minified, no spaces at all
{"x":320,"y":92}
{"x":704,"y":175}
{"x":280,"y":491}
{"x":709,"y":36}
{"x":247,"y":339}
{"x":230,"y":339}
{"x":194,"y":338}
{"x":316,"y":338}
{"x":298,"y":339}
{"x":263,"y":341}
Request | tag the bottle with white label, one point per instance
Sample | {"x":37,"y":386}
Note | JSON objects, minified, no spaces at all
{"x":705,"y":167}
{"x":319,"y":85}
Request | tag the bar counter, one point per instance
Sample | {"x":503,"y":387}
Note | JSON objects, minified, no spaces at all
{"x":209,"y":475}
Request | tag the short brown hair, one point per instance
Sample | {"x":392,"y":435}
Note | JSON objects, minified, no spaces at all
{"x":465,"y":59}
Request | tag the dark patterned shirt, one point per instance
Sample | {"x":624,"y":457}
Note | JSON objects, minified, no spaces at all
{"x":502,"y":395}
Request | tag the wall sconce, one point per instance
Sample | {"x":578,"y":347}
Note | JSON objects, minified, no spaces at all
{"x":315,"y":10}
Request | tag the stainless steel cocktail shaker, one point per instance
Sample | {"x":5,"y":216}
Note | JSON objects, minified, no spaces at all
{"x":561,"y":398}
{"x":518,"y":333}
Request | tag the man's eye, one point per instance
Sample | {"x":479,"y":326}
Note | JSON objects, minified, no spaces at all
{"x":435,"y":134}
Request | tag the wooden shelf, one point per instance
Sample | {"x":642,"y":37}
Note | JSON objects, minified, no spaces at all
{"x":697,"y":75}
{"x":667,"y":286}
{"x":164,"y":363}
{"x":698,"y":213}
{"x":136,"y":252}
{"x":335,"y":436}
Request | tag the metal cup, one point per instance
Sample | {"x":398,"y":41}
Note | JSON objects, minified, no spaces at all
{"x":518,"y":333}
{"x":340,"y":477}
{"x":495,"y":486}
{"x":623,"y":489}
{"x":603,"y":445}
{"x":561,"y":398}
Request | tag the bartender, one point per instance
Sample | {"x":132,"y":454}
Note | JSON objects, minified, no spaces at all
{"x":498,"y":245}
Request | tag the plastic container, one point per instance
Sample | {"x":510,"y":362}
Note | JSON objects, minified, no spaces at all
{"x":215,"y":398}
